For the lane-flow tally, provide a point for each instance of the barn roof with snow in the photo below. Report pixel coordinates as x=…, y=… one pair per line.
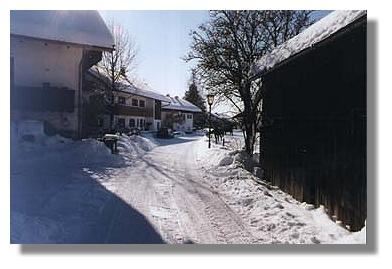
x=83, y=27
x=314, y=34
x=179, y=104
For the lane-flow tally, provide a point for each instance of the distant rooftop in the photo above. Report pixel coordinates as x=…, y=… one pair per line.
x=84, y=27
x=314, y=34
x=177, y=103
x=124, y=85
x=132, y=89
x=128, y=86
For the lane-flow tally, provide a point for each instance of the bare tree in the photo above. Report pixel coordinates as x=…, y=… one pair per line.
x=229, y=44
x=120, y=63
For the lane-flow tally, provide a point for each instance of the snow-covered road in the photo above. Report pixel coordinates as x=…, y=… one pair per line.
x=192, y=194
x=154, y=191
x=166, y=185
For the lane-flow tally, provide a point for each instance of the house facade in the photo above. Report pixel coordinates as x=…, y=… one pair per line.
x=178, y=114
x=50, y=52
x=130, y=107
x=138, y=109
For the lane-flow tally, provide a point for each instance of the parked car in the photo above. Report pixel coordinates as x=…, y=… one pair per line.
x=165, y=133
x=133, y=131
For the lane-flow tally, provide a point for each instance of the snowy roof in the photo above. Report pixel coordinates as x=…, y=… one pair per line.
x=132, y=89
x=177, y=103
x=128, y=86
x=84, y=27
x=314, y=34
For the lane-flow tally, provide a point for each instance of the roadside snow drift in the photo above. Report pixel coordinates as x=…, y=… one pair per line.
x=60, y=192
x=271, y=215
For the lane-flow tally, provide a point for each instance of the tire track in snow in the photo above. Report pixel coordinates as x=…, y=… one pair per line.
x=227, y=225
x=166, y=185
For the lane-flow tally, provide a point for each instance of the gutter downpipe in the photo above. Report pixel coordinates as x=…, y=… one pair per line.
x=80, y=105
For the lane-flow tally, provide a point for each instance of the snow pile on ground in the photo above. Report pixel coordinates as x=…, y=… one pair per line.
x=309, y=37
x=273, y=216
x=354, y=238
x=60, y=187
x=135, y=146
x=62, y=150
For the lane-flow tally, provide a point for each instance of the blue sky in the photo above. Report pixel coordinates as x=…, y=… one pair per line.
x=162, y=38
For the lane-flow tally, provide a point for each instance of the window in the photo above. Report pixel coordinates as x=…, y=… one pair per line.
x=189, y=116
x=121, y=122
x=135, y=102
x=100, y=122
x=137, y=123
x=131, y=123
x=142, y=103
x=121, y=100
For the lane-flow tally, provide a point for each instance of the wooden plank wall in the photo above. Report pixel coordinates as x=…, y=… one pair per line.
x=314, y=125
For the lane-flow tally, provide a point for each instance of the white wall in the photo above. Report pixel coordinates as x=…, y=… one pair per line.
x=186, y=126
x=36, y=62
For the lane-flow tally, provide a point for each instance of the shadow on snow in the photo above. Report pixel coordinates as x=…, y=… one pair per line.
x=59, y=202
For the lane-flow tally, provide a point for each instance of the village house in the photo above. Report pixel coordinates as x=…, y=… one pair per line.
x=178, y=114
x=131, y=107
x=50, y=52
x=313, y=142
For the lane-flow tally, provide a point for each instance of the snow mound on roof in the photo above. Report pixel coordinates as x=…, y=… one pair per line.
x=314, y=34
x=85, y=27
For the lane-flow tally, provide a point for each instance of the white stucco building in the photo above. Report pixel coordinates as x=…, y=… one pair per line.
x=178, y=114
x=50, y=51
x=133, y=106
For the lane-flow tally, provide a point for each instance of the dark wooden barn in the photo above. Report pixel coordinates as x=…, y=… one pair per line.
x=314, y=124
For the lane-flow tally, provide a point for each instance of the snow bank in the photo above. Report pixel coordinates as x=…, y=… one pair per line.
x=354, y=238
x=316, y=33
x=273, y=216
x=61, y=150
x=135, y=146
x=53, y=178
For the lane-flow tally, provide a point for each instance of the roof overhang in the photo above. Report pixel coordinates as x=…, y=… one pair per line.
x=84, y=28
x=317, y=34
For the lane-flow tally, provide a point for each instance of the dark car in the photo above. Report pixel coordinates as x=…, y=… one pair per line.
x=165, y=133
x=133, y=131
